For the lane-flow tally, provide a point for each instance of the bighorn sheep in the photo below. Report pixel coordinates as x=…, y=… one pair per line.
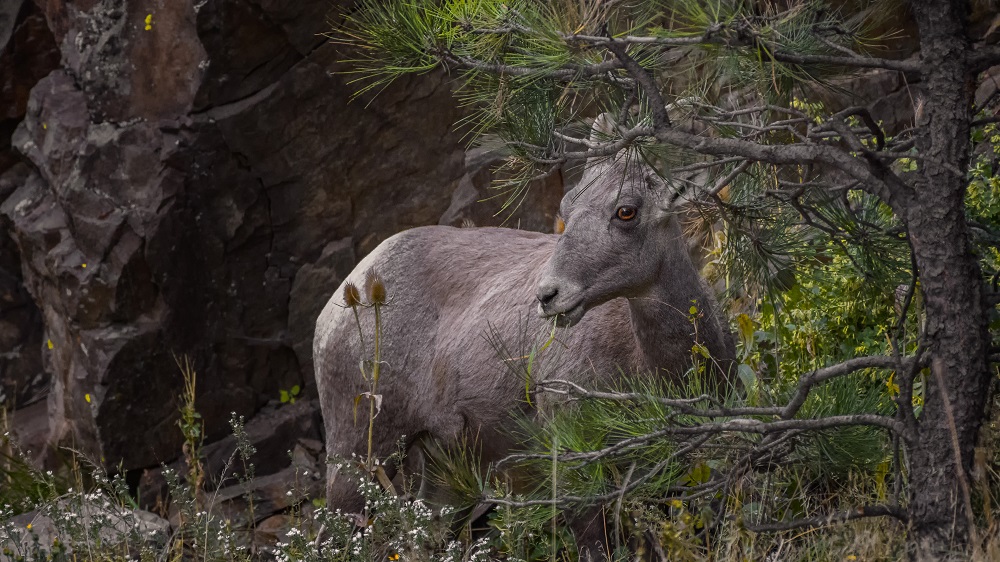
x=619, y=279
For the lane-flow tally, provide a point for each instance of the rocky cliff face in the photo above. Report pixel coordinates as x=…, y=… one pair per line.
x=187, y=177
x=27, y=53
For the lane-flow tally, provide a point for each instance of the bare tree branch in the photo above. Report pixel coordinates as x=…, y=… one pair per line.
x=830, y=519
x=984, y=57
x=712, y=37
x=689, y=406
x=743, y=425
x=858, y=61
x=645, y=81
x=728, y=178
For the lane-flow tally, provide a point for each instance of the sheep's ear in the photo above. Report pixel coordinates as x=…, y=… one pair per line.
x=602, y=130
x=675, y=196
x=604, y=126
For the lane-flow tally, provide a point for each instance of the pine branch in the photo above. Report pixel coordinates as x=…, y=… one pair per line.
x=645, y=81
x=709, y=164
x=688, y=406
x=596, y=41
x=829, y=519
x=876, y=177
x=712, y=37
x=878, y=180
x=723, y=182
x=595, y=149
x=856, y=62
x=851, y=365
x=837, y=123
x=985, y=120
x=742, y=425
x=564, y=74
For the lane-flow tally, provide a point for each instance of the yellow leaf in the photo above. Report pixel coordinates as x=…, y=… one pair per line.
x=892, y=386
x=149, y=22
x=87, y=398
x=83, y=265
x=49, y=343
x=745, y=324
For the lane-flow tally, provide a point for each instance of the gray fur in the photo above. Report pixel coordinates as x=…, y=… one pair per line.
x=634, y=284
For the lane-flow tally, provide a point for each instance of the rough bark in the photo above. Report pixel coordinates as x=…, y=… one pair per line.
x=956, y=329
x=194, y=180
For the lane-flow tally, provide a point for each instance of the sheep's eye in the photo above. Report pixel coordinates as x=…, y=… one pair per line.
x=626, y=213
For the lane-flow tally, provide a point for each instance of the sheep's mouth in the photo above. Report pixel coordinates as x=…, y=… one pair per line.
x=566, y=317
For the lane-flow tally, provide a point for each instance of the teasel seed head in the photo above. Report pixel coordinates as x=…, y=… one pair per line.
x=375, y=288
x=352, y=297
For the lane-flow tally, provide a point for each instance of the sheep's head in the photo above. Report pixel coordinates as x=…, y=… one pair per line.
x=619, y=236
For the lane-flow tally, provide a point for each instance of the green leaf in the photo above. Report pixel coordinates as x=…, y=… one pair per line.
x=699, y=474
x=747, y=375
x=284, y=396
x=296, y=390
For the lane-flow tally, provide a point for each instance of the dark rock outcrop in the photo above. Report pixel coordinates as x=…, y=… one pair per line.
x=27, y=53
x=274, y=433
x=195, y=182
x=482, y=197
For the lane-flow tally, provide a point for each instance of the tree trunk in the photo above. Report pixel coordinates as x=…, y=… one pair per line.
x=951, y=281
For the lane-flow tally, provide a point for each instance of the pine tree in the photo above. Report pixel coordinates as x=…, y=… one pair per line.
x=718, y=96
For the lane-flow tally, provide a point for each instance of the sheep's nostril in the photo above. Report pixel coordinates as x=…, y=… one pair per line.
x=546, y=294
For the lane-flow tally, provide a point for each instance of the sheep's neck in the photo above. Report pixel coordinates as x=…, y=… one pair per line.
x=664, y=326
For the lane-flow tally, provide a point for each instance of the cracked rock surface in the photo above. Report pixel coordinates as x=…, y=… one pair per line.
x=188, y=178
